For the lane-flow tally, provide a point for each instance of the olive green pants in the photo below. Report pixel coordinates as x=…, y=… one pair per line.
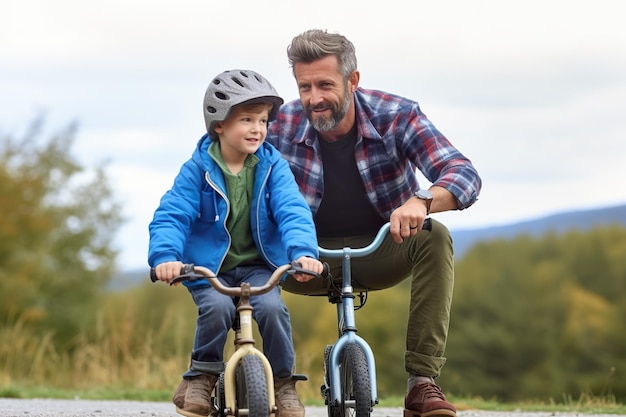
x=428, y=260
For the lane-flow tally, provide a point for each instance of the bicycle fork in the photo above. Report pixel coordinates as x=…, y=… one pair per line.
x=244, y=346
x=347, y=336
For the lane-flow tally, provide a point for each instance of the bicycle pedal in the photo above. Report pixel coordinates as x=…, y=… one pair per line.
x=324, y=390
x=299, y=377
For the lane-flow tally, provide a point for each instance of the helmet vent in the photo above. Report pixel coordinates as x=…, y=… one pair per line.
x=235, y=87
x=238, y=81
x=221, y=96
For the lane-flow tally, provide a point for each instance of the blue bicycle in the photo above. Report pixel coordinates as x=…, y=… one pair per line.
x=349, y=387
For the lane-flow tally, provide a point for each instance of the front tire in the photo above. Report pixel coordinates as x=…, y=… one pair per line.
x=220, y=397
x=252, y=388
x=355, y=385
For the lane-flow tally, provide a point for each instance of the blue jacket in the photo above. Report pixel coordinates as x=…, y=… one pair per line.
x=190, y=223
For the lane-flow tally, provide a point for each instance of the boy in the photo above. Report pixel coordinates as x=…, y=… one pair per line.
x=235, y=208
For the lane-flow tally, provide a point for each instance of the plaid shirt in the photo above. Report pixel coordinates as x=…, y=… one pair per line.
x=394, y=138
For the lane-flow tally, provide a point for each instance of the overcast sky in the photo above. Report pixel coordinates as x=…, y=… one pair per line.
x=533, y=92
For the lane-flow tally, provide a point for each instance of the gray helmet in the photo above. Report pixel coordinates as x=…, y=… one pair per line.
x=234, y=87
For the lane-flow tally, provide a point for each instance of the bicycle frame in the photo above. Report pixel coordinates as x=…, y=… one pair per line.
x=346, y=323
x=244, y=339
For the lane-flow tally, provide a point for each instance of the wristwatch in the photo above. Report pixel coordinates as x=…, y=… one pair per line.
x=427, y=196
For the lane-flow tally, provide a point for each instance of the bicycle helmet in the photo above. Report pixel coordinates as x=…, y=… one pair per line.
x=234, y=87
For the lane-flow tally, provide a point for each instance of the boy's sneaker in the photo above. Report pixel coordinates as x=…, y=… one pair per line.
x=427, y=400
x=287, y=400
x=193, y=396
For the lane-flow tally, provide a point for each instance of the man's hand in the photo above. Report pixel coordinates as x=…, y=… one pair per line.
x=407, y=219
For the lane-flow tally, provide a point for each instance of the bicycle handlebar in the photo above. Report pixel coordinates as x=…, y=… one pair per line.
x=364, y=251
x=191, y=272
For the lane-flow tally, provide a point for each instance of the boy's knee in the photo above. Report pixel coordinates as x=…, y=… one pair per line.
x=270, y=306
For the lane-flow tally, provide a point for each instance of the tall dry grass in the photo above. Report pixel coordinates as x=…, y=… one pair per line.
x=139, y=340
x=126, y=347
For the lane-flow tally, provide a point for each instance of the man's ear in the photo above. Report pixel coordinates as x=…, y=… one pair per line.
x=354, y=80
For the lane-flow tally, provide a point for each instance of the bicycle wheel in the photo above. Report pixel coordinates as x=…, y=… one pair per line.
x=252, y=399
x=325, y=388
x=355, y=385
x=219, y=401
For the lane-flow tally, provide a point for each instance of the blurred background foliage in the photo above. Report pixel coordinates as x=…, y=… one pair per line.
x=532, y=319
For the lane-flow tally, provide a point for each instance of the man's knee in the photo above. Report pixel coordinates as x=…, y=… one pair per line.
x=440, y=235
x=433, y=247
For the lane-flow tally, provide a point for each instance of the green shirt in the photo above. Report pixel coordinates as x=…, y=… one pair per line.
x=239, y=188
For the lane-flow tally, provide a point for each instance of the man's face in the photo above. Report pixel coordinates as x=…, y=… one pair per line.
x=323, y=93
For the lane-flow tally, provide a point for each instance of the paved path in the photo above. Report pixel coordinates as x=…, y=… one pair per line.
x=88, y=408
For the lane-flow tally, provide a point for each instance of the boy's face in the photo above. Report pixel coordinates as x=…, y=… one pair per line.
x=244, y=130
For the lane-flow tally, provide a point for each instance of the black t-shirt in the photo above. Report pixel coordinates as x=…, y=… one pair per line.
x=345, y=209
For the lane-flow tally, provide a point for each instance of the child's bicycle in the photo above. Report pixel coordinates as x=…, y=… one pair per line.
x=349, y=387
x=245, y=387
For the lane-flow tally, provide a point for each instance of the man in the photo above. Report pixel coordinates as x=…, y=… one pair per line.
x=354, y=153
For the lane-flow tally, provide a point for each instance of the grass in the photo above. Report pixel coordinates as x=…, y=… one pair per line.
x=121, y=363
x=87, y=394
x=586, y=404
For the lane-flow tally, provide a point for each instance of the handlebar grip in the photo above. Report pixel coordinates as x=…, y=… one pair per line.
x=186, y=269
x=326, y=270
x=297, y=268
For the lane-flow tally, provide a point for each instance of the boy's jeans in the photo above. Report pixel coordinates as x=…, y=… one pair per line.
x=216, y=313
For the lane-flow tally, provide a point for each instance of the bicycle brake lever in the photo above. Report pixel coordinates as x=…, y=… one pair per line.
x=189, y=276
x=296, y=268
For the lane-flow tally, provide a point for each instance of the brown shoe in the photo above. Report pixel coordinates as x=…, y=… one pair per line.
x=179, y=395
x=427, y=400
x=287, y=400
x=193, y=396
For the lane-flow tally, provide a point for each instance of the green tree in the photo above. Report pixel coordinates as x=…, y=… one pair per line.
x=58, y=221
x=540, y=317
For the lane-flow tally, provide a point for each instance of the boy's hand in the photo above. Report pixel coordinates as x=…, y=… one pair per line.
x=168, y=270
x=310, y=264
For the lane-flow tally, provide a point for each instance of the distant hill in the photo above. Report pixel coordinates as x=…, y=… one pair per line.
x=556, y=223
x=129, y=278
x=465, y=239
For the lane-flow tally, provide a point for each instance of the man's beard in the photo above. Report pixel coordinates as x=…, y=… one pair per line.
x=326, y=124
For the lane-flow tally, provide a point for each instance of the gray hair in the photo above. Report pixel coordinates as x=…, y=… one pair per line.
x=315, y=44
